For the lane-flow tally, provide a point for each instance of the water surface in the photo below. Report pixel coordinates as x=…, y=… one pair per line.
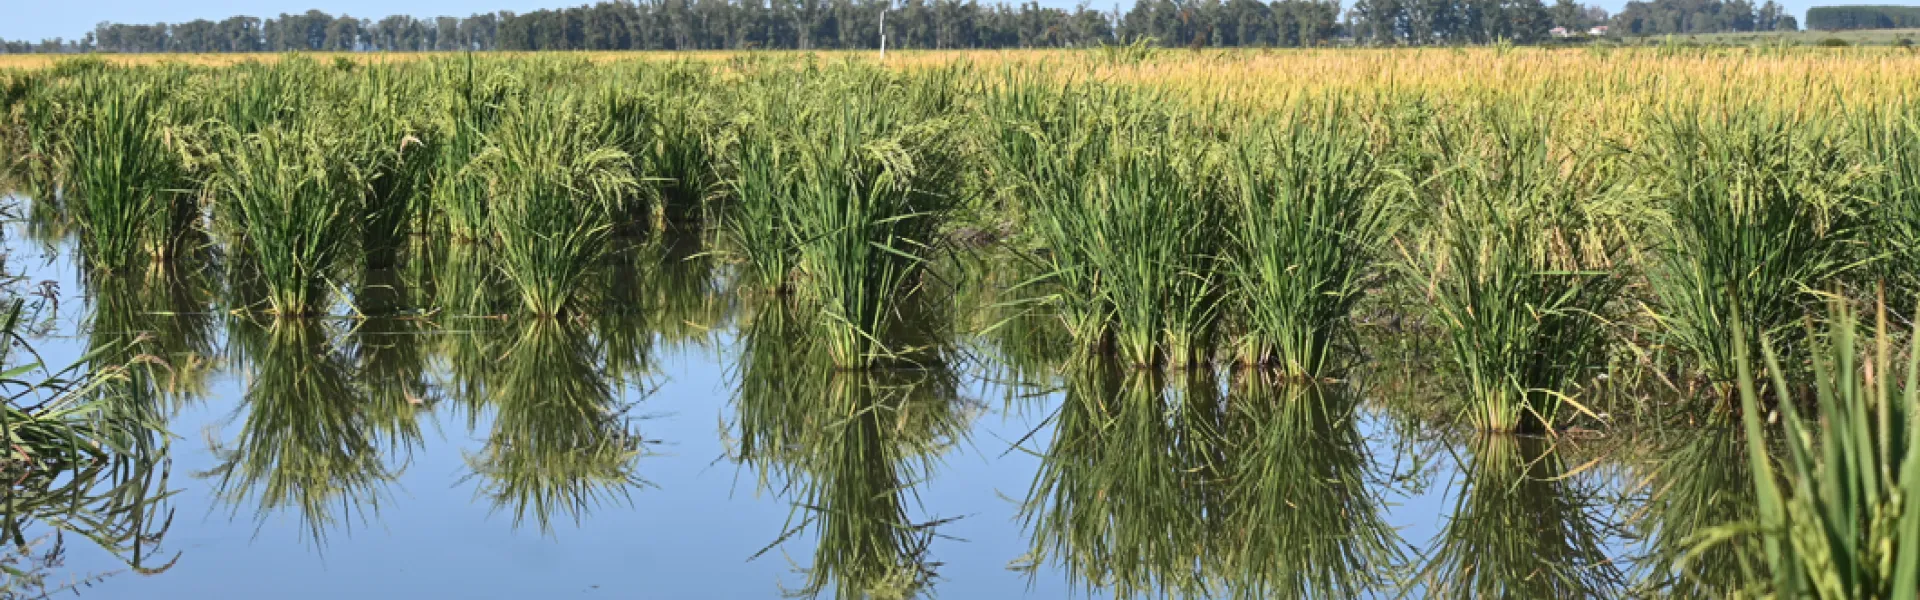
x=686, y=442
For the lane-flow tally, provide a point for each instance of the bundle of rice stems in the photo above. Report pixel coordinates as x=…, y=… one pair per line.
x=131, y=196
x=1521, y=276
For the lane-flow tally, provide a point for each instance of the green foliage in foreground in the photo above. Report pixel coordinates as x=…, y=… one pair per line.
x=1838, y=518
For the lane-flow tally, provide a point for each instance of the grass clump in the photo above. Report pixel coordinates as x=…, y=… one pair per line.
x=297, y=207
x=555, y=189
x=388, y=147
x=864, y=215
x=1889, y=140
x=841, y=205
x=1520, y=276
x=1304, y=229
x=1132, y=234
x=1757, y=211
x=131, y=195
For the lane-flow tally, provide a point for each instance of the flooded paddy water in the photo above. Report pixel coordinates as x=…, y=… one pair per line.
x=687, y=442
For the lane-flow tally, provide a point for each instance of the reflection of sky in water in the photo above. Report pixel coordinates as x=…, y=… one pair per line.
x=689, y=536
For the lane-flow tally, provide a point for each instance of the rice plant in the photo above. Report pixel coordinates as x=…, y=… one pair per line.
x=1123, y=200
x=865, y=209
x=1521, y=278
x=387, y=147
x=1890, y=142
x=1155, y=250
x=1306, y=225
x=1836, y=518
x=131, y=192
x=759, y=175
x=56, y=419
x=625, y=126
x=457, y=192
x=555, y=189
x=1759, y=210
x=298, y=206
x=684, y=110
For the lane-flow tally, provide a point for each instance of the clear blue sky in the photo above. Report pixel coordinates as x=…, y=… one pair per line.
x=37, y=19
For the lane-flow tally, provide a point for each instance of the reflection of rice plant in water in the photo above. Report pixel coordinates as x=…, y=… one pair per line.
x=120, y=505
x=309, y=439
x=873, y=435
x=1304, y=230
x=561, y=443
x=130, y=197
x=1302, y=521
x=779, y=372
x=1521, y=527
x=622, y=316
x=388, y=348
x=847, y=449
x=1521, y=281
x=1836, y=518
x=159, y=325
x=296, y=207
x=683, y=291
x=1698, y=483
x=1123, y=499
x=1023, y=337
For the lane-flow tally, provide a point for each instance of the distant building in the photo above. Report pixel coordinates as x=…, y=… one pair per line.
x=1558, y=32
x=1600, y=30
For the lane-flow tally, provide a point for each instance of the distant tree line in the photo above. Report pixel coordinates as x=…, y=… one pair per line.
x=1466, y=21
x=1837, y=18
x=1662, y=17
x=847, y=24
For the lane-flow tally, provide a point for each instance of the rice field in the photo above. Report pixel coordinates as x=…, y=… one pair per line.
x=1204, y=252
